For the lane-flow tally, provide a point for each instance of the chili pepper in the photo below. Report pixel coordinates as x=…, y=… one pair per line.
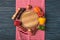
x=39, y=11
x=36, y=9
x=41, y=27
x=41, y=14
x=42, y=20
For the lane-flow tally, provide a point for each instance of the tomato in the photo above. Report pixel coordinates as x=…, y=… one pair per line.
x=17, y=23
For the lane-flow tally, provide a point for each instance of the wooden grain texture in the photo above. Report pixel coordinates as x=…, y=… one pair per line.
x=29, y=19
x=7, y=30
x=53, y=19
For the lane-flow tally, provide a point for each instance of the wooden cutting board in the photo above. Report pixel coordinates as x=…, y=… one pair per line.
x=40, y=35
x=29, y=19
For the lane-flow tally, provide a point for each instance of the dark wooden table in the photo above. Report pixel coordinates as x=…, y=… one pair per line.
x=7, y=29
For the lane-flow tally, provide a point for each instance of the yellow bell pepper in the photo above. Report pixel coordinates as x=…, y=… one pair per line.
x=42, y=20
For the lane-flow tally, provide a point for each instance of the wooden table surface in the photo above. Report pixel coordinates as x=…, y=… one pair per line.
x=7, y=29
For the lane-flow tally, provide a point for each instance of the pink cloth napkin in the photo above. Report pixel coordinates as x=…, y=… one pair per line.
x=20, y=34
